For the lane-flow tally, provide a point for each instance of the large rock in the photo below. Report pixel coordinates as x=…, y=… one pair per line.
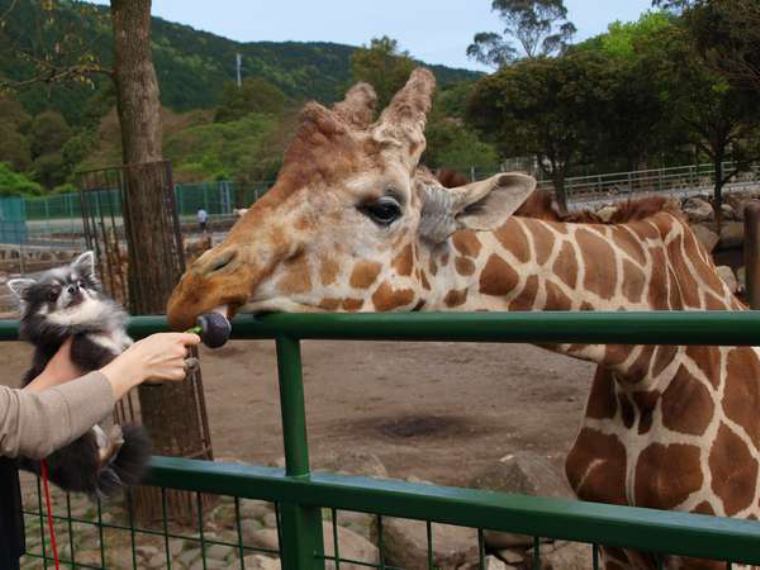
x=523, y=473
x=490, y=562
x=728, y=212
x=567, y=556
x=405, y=545
x=350, y=545
x=260, y=562
x=728, y=277
x=698, y=210
x=732, y=234
x=354, y=463
x=706, y=236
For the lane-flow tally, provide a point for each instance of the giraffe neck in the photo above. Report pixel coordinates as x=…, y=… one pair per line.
x=529, y=265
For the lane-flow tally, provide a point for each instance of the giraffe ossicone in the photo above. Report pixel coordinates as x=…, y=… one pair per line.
x=354, y=224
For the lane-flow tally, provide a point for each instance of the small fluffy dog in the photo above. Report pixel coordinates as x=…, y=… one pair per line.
x=68, y=302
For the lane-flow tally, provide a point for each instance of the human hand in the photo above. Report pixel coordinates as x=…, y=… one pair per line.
x=59, y=369
x=158, y=357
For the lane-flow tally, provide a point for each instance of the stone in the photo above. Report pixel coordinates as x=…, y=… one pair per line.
x=355, y=463
x=511, y=556
x=728, y=277
x=706, y=236
x=146, y=550
x=698, y=210
x=728, y=212
x=350, y=544
x=523, y=473
x=249, y=527
x=490, y=562
x=189, y=556
x=219, y=551
x=568, y=556
x=158, y=561
x=405, y=545
x=254, y=509
x=210, y=565
x=175, y=546
x=270, y=520
x=732, y=235
x=361, y=523
x=260, y=562
x=265, y=538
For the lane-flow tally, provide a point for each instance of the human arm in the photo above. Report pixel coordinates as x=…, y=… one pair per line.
x=55, y=410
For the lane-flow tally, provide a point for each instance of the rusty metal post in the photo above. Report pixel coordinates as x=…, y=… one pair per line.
x=752, y=252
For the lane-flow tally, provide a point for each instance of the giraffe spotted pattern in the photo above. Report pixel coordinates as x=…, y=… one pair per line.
x=353, y=224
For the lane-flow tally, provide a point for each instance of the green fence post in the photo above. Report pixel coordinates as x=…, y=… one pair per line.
x=301, y=547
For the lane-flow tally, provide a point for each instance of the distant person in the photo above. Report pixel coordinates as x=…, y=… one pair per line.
x=202, y=219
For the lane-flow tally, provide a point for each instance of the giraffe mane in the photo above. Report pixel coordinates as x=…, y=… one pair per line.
x=541, y=205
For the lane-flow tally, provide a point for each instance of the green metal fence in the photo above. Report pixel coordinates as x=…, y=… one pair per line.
x=301, y=498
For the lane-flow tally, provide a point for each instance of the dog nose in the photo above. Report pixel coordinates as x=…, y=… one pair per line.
x=73, y=289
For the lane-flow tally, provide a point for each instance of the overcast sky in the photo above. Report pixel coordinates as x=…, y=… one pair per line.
x=435, y=31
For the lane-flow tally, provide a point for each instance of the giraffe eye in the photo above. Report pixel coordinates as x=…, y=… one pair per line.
x=383, y=211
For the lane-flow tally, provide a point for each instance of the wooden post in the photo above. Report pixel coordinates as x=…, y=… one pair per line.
x=752, y=252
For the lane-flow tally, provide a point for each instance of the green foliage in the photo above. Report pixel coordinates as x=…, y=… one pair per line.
x=50, y=169
x=450, y=144
x=48, y=133
x=218, y=150
x=16, y=184
x=383, y=66
x=255, y=95
x=622, y=38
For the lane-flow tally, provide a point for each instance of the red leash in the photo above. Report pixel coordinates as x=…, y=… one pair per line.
x=48, y=504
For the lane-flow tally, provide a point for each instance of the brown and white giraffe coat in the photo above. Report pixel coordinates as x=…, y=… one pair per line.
x=353, y=225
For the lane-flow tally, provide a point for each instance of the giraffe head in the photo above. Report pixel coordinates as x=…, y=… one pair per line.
x=350, y=218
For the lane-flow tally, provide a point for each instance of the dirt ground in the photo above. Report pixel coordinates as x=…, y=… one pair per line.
x=435, y=411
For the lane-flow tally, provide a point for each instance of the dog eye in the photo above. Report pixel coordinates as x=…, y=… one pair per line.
x=52, y=295
x=383, y=211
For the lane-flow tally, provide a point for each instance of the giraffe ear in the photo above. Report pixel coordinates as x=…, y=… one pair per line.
x=486, y=204
x=481, y=206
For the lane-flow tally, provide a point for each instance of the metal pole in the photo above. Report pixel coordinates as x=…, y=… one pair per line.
x=301, y=527
x=752, y=252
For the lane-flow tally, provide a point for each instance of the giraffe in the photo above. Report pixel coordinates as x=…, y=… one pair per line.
x=354, y=224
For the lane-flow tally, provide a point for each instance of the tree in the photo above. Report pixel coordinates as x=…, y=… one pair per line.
x=722, y=120
x=255, y=95
x=383, y=66
x=726, y=34
x=550, y=108
x=540, y=28
x=48, y=133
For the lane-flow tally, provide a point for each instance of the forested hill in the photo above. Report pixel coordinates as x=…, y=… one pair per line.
x=192, y=65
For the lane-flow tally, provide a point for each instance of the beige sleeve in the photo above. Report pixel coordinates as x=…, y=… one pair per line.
x=34, y=424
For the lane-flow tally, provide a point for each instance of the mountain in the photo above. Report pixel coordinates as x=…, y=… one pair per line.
x=192, y=65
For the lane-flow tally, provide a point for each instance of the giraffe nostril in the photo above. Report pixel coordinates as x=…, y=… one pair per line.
x=221, y=261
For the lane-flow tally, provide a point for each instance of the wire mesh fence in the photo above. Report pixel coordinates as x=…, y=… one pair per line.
x=294, y=518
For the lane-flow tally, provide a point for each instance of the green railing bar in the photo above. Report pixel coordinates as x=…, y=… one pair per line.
x=642, y=529
x=727, y=328
x=302, y=547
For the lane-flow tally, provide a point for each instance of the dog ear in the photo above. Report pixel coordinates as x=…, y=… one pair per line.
x=20, y=286
x=85, y=265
